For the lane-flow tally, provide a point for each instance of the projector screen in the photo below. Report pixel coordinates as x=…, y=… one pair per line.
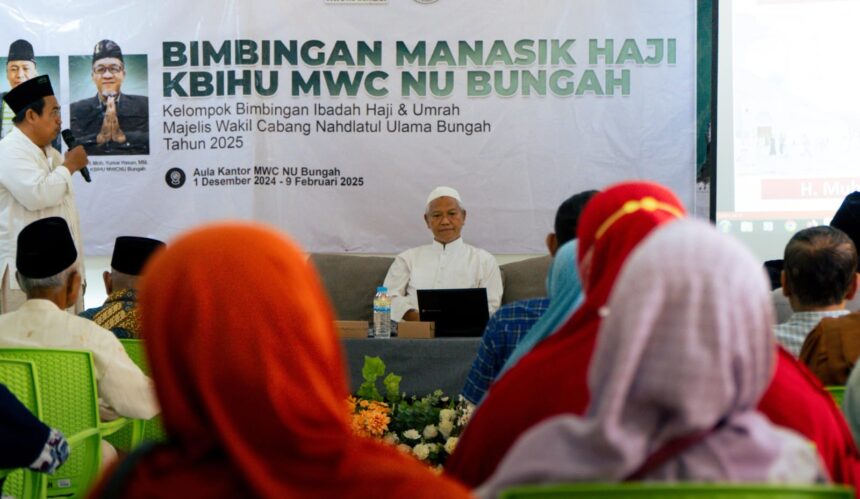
x=787, y=117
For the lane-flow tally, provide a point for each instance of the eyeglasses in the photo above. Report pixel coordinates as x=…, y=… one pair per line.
x=112, y=69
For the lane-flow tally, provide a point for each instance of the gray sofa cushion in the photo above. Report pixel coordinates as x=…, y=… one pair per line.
x=525, y=279
x=351, y=281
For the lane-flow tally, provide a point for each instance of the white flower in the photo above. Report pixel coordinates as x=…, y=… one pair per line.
x=430, y=431
x=450, y=444
x=445, y=428
x=390, y=438
x=411, y=434
x=404, y=448
x=446, y=415
x=468, y=408
x=433, y=447
x=421, y=451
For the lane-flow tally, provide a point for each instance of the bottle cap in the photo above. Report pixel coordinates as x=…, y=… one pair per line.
x=381, y=289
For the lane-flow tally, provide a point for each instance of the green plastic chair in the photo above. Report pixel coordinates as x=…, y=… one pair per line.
x=66, y=383
x=20, y=377
x=153, y=429
x=838, y=393
x=646, y=490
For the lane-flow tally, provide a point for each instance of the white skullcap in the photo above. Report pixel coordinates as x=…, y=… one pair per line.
x=443, y=191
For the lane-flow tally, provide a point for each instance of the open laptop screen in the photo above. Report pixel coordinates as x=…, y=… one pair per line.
x=456, y=312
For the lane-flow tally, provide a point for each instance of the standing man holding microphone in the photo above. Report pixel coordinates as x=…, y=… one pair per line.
x=35, y=181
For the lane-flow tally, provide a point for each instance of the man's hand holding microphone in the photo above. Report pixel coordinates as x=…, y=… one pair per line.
x=76, y=157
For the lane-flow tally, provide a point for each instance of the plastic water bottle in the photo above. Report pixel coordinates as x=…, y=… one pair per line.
x=382, y=313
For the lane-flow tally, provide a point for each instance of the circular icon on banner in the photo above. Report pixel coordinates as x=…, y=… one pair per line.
x=175, y=178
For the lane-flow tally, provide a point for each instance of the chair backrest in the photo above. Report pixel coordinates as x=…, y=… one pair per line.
x=838, y=393
x=351, y=282
x=134, y=349
x=524, y=279
x=19, y=376
x=67, y=389
x=153, y=429
x=647, y=490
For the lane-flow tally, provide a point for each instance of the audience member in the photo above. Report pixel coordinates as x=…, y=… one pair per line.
x=512, y=321
x=25, y=441
x=846, y=219
x=48, y=273
x=35, y=181
x=612, y=224
x=832, y=348
x=819, y=275
x=564, y=288
x=119, y=311
x=684, y=355
x=250, y=372
x=504, y=337
x=446, y=263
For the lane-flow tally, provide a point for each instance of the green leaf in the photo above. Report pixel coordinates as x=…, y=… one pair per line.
x=392, y=387
x=372, y=369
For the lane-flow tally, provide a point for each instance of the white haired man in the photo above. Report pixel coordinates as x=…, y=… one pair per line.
x=447, y=262
x=48, y=272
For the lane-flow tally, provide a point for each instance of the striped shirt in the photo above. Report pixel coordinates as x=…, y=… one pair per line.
x=792, y=333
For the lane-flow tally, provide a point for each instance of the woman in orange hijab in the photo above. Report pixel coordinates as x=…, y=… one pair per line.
x=612, y=224
x=249, y=373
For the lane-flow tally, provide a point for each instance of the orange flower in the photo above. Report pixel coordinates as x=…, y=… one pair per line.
x=368, y=417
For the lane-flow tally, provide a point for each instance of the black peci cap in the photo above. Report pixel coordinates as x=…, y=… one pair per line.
x=21, y=50
x=106, y=48
x=130, y=253
x=28, y=92
x=45, y=248
x=847, y=218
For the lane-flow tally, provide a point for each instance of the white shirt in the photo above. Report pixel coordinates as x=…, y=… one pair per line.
x=438, y=266
x=122, y=385
x=34, y=184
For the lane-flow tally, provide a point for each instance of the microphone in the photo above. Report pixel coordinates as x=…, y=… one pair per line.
x=71, y=143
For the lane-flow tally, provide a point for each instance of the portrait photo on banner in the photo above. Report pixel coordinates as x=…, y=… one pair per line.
x=23, y=61
x=109, y=108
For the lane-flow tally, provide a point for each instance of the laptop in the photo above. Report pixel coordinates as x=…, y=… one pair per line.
x=456, y=312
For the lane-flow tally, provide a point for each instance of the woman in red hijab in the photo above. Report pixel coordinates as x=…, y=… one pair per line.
x=552, y=378
x=611, y=225
x=249, y=374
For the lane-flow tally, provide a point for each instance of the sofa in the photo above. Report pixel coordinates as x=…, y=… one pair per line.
x=351, y=281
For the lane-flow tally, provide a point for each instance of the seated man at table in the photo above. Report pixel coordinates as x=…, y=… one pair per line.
x=512, y=321
x=48, y=272
x=446, y=263
x=119, y=311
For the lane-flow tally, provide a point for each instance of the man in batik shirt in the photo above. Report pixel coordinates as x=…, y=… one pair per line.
x=119, y=312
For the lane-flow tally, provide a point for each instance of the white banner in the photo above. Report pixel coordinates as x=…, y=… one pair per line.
x=333, y=119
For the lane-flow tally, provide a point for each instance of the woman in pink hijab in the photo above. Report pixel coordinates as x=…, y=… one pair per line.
x=681, y=361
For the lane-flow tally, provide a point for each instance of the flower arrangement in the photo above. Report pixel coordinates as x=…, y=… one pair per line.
x=427, y=427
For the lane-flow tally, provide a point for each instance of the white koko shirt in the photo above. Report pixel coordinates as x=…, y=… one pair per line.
x=121, y=384
x=34, y=184
x=437, y=266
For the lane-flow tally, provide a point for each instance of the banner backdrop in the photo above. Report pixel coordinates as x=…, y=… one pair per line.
x=333, y=119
